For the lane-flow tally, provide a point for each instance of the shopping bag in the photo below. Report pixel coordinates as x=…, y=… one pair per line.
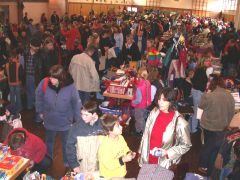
x=154, y=172
x=193, y=176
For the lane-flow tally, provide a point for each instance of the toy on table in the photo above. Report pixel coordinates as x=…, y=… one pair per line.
x=4, y=151
x=10, y=164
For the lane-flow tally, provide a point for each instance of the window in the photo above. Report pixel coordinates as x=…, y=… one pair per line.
x=229, y=5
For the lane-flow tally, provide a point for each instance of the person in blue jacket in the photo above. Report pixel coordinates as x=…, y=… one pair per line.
x=58, y=104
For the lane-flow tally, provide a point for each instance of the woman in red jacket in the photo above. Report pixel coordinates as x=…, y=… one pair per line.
x=25, y=144
x=71, y=35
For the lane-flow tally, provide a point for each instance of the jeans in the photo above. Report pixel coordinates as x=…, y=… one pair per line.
x=15, y=97
x=196, y=94
x=84, y=96
x=30, y=85
x=224, y=173
x=50, y=139
x=140, y=116
x=43, y=166
x=212, y=143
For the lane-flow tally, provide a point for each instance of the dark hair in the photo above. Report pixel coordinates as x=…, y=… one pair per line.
x=92, y=107
x=58, y=72
x=13, y=53
x=217, y=81
x=169, y=95
x=16, y=139
x=48, y=40
x=236, y=148
x=108, y=121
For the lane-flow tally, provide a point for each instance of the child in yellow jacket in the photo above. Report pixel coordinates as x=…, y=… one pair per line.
x=113, y=151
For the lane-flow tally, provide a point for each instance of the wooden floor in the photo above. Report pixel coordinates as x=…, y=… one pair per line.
x=57, y=170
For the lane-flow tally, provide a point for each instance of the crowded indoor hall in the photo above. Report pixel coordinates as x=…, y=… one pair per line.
x=120, y=89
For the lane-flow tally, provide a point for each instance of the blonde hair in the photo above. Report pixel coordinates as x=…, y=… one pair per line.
x=143, y=73
x=92, y=39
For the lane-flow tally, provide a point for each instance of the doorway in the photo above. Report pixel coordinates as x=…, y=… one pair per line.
x=4, y=14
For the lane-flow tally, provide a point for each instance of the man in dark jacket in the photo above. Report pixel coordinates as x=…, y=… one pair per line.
x=130, y=51
x=82, y=144
x=33, y=70
x=49, y=55
x=55, y=18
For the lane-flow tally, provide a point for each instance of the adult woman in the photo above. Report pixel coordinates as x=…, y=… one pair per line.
x=58, y=103
x=118, y=37
x=159, y=133
x=94, y=40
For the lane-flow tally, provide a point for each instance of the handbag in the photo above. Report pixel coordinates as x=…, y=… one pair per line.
x=180, y=169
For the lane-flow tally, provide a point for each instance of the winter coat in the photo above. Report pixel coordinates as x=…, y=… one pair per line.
x=71, y=35
x=38, y=65
x=175, y=152
x=50, y=58
x=34, y=148
x=130, y=54
x=82, y=68
x=60, y=108
x=83, y=145
x=145, y=88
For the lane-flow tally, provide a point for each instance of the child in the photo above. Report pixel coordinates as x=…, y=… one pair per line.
x=25, y=144
x=153, y=56
x=14, y=73
x=141, y=99
x=113, y=151
x=12, y=119
x=82, y=143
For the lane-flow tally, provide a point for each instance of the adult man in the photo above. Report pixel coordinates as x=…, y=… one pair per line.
x=82, y=144
x=84, y=73
x=54, y=18
x=33, y=70
x=218, y=110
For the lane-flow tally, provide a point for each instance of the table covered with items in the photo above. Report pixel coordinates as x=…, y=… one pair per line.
x=118, y=86
x=11, y=166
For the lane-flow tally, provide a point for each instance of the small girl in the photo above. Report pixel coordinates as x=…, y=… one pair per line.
x=12, y=119
x=113, y=151
x=141, y=99
x=153, y=56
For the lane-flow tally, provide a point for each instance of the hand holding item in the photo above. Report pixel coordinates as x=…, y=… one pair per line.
x=158, y=152
x=129, y=157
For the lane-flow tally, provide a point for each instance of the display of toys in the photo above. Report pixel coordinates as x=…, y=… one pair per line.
x=10, y=164
x=4, y=151
x=3, y=175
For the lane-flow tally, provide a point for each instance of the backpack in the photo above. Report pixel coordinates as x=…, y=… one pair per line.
x=45, y=84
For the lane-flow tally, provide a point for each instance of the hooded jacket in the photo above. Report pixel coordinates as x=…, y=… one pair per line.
x=33, y=148
x=60, y=107
x=83, y=143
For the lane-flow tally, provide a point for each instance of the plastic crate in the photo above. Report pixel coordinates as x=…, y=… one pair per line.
x=106, y=110
x=117, y=89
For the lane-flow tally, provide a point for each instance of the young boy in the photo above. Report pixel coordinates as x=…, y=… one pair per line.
x=82, y=143
x=14, y=72
x=113, y=151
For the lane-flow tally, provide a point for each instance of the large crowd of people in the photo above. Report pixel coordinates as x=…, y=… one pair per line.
x=60, y=62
